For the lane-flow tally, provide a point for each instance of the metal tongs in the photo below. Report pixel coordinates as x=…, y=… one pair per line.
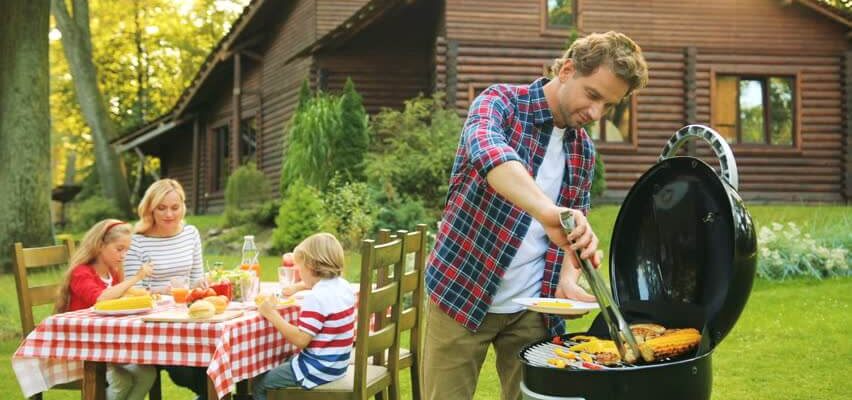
x=618, y=328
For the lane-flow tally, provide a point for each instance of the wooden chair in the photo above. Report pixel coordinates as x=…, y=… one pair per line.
x=27, y=259
x=414, y=244
x=367, y=377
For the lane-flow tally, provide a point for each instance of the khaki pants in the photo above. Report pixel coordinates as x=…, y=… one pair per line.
x=453, y=355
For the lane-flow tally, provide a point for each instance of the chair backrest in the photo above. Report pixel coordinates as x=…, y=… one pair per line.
x=379, y=291
x=27, y=259
x=413, y=244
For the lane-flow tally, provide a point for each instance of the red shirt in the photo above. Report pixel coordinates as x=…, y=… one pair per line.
x=86, y=286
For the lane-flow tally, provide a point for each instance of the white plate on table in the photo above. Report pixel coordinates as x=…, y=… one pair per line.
x=556, y=306
x=165, y=299
x=123, y=312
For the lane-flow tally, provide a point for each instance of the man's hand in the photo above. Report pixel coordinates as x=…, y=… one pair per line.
x=568, y=277
x=582, y=237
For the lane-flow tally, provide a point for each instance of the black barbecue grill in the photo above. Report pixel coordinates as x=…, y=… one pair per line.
x=683, y=254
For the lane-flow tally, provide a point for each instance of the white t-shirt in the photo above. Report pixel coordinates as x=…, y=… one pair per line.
x=524, y=274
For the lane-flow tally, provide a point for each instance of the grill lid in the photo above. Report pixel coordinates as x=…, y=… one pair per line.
x=683, y=238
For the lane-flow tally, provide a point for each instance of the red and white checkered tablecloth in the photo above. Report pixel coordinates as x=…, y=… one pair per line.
x=233, y=350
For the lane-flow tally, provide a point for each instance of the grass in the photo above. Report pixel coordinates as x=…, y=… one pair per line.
x=789, y=342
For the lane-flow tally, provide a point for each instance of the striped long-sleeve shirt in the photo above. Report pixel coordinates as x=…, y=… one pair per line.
x=178, y=255
x=328, y=314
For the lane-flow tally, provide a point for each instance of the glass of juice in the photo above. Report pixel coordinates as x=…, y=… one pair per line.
x=180, y=288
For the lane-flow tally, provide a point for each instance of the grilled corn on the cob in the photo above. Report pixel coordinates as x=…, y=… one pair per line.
x=125, y=303
x=672, y=343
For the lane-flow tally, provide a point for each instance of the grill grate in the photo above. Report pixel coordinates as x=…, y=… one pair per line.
x=538, y=354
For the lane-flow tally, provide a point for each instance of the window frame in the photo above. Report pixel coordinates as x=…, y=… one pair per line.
x=544, y=22
x=215, y=165
x=250, y=116
x=764, y=74
x=630, y=145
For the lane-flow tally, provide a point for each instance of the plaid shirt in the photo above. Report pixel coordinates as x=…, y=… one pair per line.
x=480, y=230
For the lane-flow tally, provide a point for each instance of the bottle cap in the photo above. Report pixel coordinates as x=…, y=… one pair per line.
x=248, y=237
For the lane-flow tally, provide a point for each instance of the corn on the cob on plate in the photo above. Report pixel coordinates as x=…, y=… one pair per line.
x=672, y=343
x=125, y=303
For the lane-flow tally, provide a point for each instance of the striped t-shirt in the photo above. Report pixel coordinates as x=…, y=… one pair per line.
x=178, y=255
x=328, y=314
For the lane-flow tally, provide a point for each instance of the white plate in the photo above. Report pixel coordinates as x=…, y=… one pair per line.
x=548, y=306
x=122, y=312
x=165, y=299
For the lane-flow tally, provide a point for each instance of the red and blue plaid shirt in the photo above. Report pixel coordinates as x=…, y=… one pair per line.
x=481, y=231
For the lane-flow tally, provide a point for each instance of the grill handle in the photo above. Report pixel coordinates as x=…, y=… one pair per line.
x=619, y=331
x=717, y=143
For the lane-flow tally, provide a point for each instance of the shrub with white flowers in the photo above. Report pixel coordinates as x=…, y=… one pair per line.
x=786, y=252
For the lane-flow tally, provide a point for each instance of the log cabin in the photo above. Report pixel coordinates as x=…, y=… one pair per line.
x=772, y=76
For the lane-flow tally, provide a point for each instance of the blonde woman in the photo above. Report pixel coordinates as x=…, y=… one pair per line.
x=95, y=274
x=163, y=238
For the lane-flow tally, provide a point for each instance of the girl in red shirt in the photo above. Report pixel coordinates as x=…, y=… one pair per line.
x=96, y=273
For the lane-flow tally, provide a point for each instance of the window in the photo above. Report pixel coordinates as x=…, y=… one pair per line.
x=755, y=109
x=559, y=14
x=248, y=140
x=616, y=126
x=221, y=157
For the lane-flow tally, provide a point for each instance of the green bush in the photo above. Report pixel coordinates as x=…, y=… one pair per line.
x=413, y=151
x=246, y=191
x=353, y=138
x=85, y=214
x=262, y=215
x=350, y=211
x=301, y=215
x=308, y=154
x=786, y=253
x=403, y=213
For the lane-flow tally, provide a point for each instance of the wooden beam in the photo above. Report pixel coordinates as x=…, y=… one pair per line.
x=847, y=91
x=236, y=117
x=689, y=100
x=452, y=70
x=196, y=147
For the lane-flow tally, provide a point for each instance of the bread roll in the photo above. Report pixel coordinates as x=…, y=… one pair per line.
x=201, y=309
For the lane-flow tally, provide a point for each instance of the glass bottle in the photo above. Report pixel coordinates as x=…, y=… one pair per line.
x=250, y=257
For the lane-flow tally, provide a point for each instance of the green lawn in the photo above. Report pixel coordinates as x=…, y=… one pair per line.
x=788, y=343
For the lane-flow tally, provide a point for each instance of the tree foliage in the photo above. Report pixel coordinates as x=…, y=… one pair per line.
x=353, y=138
x=147, y=52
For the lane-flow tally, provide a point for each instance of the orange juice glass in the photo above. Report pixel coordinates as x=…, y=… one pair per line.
x=180, y=294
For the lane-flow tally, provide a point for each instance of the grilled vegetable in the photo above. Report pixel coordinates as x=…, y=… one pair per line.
x=672, y=343
x=126, y=303
x=557, y=362
x=565, y=354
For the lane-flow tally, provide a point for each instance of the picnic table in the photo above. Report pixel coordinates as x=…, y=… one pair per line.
x=65, y=346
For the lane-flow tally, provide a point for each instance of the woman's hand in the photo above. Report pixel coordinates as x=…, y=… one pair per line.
x=144, y=271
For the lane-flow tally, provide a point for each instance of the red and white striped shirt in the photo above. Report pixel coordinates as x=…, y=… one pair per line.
x=327, y=314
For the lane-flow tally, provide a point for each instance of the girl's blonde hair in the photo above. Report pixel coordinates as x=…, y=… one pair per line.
x=100, y=235
x=321, y=254
x=153, y=197
x=612, y=49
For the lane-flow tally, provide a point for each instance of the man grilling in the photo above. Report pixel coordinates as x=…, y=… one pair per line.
x=522, y=159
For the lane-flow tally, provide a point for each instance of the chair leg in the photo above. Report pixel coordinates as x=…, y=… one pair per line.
x=415, y=381
x=36, y=396
x=156, y=392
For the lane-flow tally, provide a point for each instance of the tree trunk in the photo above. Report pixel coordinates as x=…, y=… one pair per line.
x=77, y=46
x=24, y=127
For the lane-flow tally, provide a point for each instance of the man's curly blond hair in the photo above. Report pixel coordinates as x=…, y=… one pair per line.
x=615, y=50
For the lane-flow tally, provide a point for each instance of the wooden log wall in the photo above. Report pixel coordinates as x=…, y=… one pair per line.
x=752, y=37
x=813, y=172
